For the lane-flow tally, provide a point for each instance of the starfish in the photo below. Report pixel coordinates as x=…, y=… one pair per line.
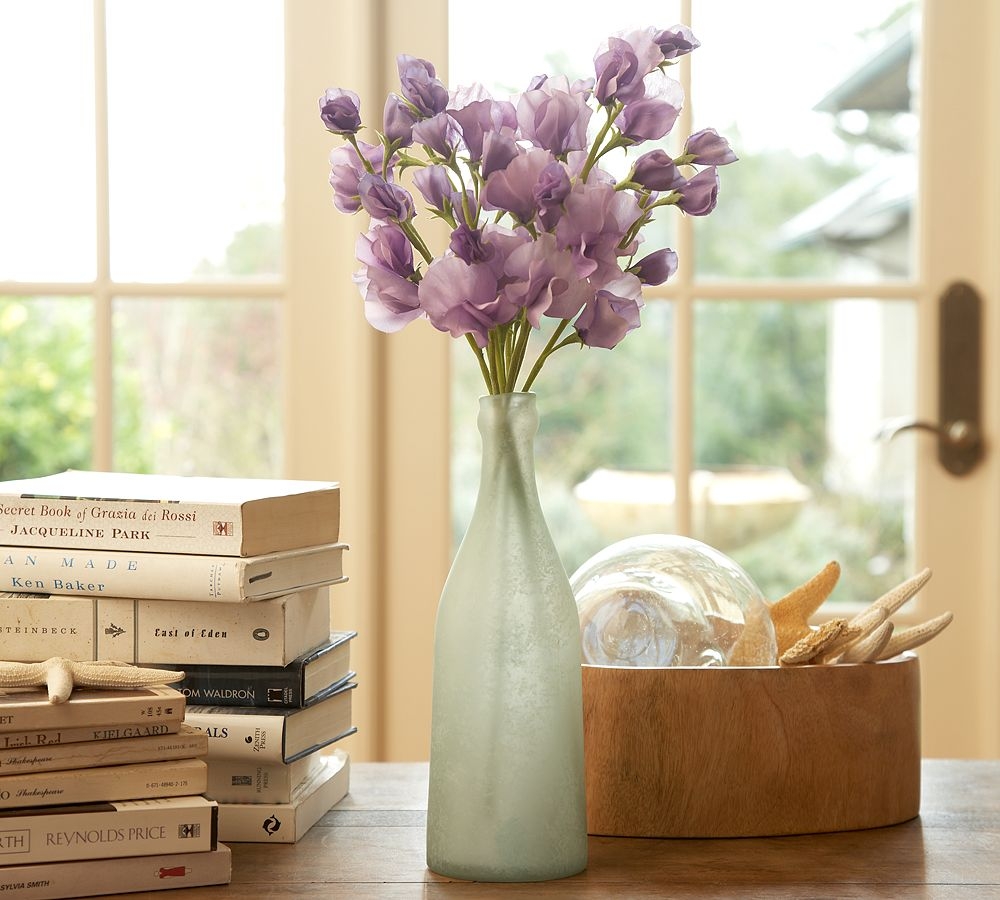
x=908, y=638
x=791, y=613
x=61, y=675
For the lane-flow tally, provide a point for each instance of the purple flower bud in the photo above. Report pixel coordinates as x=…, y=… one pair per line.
x=618, y=75
x=417, y=78
x=676, y=41
x=481, y=117
x=382, y=200
x=398, y=119
x=656, y=170
x=434, y=185
x=340, y=111
x=611, y=314
x=655, y=267
x=708, y=148
x=698, y=194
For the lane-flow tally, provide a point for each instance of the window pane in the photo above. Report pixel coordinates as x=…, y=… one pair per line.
x=598, y=410
x=789, y=399
x=197, y=387
x=196, y=130
x=46, y=378
x=823, y=122
x=47, y=177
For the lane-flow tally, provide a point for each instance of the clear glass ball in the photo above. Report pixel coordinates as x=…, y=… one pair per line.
x=667, y=600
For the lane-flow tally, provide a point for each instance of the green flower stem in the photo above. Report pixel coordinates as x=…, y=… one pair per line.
x=418, y=242
x=547, y=351
x=519, y=348
x=353, y=141
x=482, y=363
x=595, y=148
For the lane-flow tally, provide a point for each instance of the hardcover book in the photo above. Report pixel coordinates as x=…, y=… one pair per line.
x=126, y=731
x=93, y=877
x=249, y=781
x=134, y=781
x=286, y=823
x=172, y=633
x=302, y=682
x=25, y=709
x=187, y=743
x=103, y=830
x=168, y=513
x=168, y=576
x=273, y=735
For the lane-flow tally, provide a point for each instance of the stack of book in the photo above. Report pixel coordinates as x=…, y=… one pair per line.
x=225, y=579
x=106, y=775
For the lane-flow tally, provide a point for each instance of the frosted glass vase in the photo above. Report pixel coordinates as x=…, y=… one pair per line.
x=507, y=798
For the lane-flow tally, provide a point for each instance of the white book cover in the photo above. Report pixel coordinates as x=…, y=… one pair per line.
x=251, y=781
x=133, y=781
x=125, y=875
x=286, y=823
x=101, y=830
x=270, y=632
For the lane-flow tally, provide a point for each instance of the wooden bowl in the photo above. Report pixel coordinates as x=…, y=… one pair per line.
x=739, y=752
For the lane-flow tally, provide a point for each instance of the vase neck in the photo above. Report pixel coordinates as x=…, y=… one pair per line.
x=508, y=424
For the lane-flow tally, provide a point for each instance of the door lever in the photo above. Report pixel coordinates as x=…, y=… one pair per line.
x=960, y=440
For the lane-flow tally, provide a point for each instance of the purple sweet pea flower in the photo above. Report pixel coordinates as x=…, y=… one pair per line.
x=708, y=148
x=651, y=117
x=346, y=170
x=499, y=150
x=340, y=111
x=553, y=185
x=554, y=116
x=657, y=171
x=439, y=133
x=676, y=41
x=391, y=299
x=513, y=189
x=542, y=279
x=595, y=220
x=481, y=117
x=398, y=119
x=468, y=245
x=698, y=194
x=611, y=314
x=435, y=186
x=655, y=267
x=420, y=85
x=621, y=68
x=384, y=200
x=463, y=299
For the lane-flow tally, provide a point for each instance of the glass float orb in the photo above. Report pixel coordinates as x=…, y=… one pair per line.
x=667, y=600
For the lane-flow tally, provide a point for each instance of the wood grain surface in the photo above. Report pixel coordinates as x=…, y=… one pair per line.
x=371, y=846
x=738, y=752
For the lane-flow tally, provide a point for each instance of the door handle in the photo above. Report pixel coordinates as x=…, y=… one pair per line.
x=960, y=441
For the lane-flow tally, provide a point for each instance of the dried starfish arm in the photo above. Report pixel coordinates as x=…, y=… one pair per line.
x=811, y=645
x=60, y=675
x=868, y=648
x=792, y=612
x=914, y=636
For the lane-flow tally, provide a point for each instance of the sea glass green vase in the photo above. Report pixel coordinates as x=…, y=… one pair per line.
x=507, y=799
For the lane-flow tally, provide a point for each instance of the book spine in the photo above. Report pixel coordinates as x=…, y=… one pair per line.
x=46, y=738
x=110, y=573
x=145, y=525
x=90, y=878
x=243, y=686
x=246, y=781
x=109, y=830
x=178, y=632
x=187, y=744
x=124, y=707
x=240, y=735
x=138, y=781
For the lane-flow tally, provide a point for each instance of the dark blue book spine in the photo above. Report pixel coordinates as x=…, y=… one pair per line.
x=239, y=686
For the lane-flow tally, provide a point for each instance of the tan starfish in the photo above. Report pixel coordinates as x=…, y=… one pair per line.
x=914, y=636
x=811, y=645
x=791, y=613
x=868, y=648
x=61, y=675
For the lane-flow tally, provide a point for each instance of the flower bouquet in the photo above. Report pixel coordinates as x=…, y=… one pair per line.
x=542, y=238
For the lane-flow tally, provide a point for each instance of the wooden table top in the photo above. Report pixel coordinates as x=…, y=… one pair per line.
x=371, y=845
